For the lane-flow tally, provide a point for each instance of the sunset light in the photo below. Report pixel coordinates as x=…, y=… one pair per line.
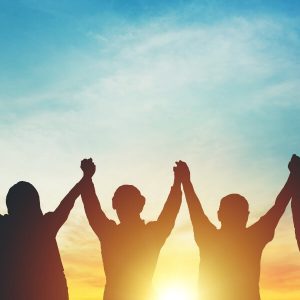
x=138, y=85
x=176, y=293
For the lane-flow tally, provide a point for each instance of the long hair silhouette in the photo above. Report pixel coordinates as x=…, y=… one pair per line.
x=30, y=263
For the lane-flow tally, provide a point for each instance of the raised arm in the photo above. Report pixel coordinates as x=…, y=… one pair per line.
x=200, y=221
x=270, y=220
x=296, y=215
x=96, y=217
x=167, y=217
x=61, y=213
x=295, y=169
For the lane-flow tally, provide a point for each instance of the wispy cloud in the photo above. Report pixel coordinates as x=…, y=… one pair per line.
x=193, y=92
x=215, y=95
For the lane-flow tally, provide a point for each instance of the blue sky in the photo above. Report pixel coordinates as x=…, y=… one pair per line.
x=139, y=84
x=162, y=80
x=39, y=36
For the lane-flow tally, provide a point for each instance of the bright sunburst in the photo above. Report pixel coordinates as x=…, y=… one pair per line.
x=176, y=293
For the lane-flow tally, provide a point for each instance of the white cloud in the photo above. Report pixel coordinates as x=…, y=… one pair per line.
x=155, y=96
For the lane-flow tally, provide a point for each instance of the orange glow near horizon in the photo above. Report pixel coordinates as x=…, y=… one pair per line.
x=177, y=268
x=138, y=86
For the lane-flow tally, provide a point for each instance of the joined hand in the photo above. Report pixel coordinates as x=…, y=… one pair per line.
x=88, y=167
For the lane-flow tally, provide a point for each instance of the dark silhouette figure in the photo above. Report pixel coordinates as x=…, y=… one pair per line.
x=295, y=203
x=30, y=263
x=230, y=256
x=130, y=249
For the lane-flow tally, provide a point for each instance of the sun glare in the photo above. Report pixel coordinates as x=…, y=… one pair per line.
x=175, y=293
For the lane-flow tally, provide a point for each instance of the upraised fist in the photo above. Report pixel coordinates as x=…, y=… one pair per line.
x=294, y=164
x=88, y=167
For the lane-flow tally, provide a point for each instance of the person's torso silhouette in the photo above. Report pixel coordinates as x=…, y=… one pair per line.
x=230, y=261
x=130, y=249
x=130, y=254
x=30, y=263
x=230, y=256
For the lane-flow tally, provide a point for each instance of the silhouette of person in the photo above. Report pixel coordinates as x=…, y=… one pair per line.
x=131, y=248
x=295, y=203
x=30, y=263
x=230, y=256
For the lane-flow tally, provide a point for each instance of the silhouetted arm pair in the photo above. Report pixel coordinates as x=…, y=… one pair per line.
x=96, y=217
x=57, y=218
x=198, y=217
x=267, y=223
x=295, y=168
x=201, y=224
x=61, y=213
x=272, y=217
x=167, y=217
x=296, y=215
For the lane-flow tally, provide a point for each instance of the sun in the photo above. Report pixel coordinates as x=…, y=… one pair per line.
x=175, y=293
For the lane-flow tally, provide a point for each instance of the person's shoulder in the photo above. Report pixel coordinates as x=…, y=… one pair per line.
x=111, y=223
x=261, y=230
x=48, y=216
x=4, y=218
x=48, y=220
x=154, y=227
x=150, y=224
x=155, y=232
x=257, y=226
x=107, y=230
x=109, y=226
x=5, y=221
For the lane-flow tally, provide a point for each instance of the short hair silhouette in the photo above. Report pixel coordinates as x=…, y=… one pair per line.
x=22, y=198
x=233, y=210
x=234, y=201
x=128, y=195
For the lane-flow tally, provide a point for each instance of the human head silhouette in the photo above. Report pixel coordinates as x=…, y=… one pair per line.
x=23, y=199
x=128, y=203
x=233, y=211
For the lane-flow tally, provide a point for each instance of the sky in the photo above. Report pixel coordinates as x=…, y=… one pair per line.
x=138, y=85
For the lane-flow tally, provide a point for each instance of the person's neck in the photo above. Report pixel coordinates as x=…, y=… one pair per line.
x=231, y=229
x=133, y=221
